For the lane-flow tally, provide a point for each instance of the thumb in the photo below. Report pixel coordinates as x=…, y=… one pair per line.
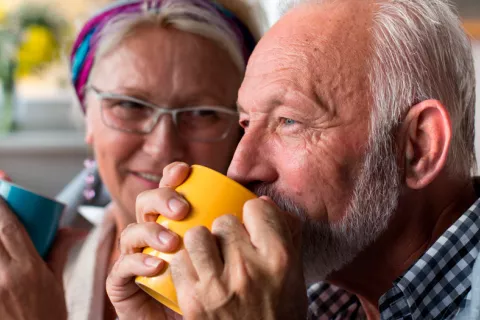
x=57, y=258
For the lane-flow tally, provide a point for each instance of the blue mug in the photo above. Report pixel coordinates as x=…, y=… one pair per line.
x=39, y=215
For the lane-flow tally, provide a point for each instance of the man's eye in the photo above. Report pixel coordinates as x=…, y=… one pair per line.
x=288, y=121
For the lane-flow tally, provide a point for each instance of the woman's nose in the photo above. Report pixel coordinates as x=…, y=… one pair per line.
x=164, y=141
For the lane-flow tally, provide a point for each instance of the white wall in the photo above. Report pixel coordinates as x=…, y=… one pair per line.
x=273, y=10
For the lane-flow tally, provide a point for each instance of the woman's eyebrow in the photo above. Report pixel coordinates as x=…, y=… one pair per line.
x=240, y=109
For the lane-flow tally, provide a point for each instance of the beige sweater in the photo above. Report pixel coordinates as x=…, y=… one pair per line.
x=86, y=272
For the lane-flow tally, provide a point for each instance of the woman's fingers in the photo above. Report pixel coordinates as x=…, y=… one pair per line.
x=140, y=235
x=14, y=239
x=120, y=282
x=174, y=174
x=163, y=201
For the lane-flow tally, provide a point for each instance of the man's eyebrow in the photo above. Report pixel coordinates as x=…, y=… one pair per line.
x=273, y=103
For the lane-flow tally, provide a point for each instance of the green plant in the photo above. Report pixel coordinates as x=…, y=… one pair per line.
x=8, y=48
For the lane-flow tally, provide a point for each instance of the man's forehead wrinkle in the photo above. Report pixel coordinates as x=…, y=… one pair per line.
x=302, y=75
x=324, y=65
x=275, y=59
x=298, y=58
x=310, y=45
x=273, y=100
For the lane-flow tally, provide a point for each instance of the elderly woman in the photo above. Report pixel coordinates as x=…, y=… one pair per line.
x=158, y=83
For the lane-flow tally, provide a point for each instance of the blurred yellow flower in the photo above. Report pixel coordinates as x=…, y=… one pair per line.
x=38, y=47
x=3, y=14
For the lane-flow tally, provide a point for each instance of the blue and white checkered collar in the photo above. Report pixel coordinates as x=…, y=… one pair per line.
x=437, y=285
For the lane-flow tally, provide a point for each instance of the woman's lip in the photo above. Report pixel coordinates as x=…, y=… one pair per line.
x=146, y=172
x=147, y=182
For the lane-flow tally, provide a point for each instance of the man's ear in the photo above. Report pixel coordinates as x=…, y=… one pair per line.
x=428, y=131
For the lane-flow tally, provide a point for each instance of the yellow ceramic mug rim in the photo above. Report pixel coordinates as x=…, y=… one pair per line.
x=230, y=181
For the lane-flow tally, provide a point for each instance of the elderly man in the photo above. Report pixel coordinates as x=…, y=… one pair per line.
x=359, y=122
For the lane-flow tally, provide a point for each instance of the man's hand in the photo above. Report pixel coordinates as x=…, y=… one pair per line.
x=28, y=287
x=243, y=271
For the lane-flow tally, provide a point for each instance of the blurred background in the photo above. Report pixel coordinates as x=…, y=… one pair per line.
x=41, y=128
x=41, y=134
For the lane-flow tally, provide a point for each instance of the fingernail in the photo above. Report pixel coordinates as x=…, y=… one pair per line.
x=182, y=164
x=165, y=237
x=178, y=166
x=176, y=205
x=152, y=262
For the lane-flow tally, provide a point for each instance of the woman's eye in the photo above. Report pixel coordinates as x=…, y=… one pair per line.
x=205, y=114
x=130, y=105
x=128, y=110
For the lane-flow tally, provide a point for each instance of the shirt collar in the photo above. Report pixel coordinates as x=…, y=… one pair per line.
x=438, y=283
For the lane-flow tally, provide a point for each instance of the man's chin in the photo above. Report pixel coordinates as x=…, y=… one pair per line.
x=327, y=250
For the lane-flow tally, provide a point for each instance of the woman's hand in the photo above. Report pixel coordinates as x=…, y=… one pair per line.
x=29, y=288
x=129, y=300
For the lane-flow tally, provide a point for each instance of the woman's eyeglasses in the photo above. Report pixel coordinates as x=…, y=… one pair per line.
x=201, y=123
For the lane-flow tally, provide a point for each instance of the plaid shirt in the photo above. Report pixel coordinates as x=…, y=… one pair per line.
x=437, y=286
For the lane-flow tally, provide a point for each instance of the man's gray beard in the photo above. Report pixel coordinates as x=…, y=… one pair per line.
x=327, y=247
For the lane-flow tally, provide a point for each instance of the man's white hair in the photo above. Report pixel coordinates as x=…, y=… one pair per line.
x=422, y=52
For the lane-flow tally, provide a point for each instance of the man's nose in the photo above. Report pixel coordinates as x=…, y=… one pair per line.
x=252, y=162
x=164, y=142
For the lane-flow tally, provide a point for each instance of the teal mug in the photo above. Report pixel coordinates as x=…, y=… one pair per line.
x=39, y=215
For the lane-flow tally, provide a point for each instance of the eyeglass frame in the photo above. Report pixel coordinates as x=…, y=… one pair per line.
x=159, y=111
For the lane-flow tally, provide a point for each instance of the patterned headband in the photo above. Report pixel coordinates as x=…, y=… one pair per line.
x=84, y=49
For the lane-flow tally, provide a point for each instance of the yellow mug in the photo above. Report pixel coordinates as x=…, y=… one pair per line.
x=210, y=195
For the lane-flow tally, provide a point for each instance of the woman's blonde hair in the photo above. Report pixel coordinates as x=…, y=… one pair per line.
x=184, y=16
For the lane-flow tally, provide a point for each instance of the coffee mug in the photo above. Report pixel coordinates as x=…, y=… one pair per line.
x=210, y=195
x=39, y=215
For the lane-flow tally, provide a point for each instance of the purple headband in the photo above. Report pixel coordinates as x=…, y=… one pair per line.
x=84, y=49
